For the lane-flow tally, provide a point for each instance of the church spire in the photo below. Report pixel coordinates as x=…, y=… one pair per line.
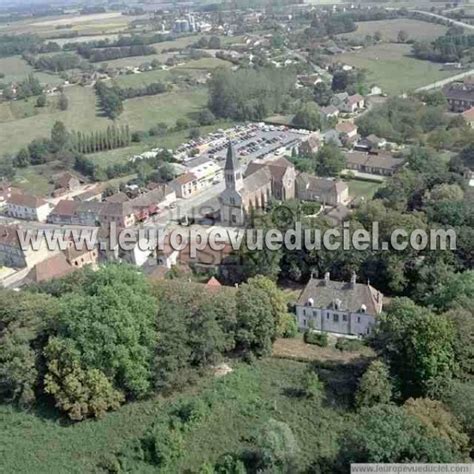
x=232, y=173
x=231, y=162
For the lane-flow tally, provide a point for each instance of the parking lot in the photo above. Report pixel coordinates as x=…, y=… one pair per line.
x=251, y=142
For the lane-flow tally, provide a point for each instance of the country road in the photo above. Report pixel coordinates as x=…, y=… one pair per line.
x=445, y=18
x=448, y=80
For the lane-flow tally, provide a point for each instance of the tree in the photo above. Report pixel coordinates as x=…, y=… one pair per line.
x=417, y=344
x=166, y=172
x=81, y=393
x=312, y=387
x=164, y=446
x=22, y=159
x=195, y=327
x=24, y=321
x=277, y=301
x=181, y=124
x=378, y=36
x=374, y=386
x=439, y=422
x=457, y=288
x=459, y=398
x=59, y=136
x=276, y=448
x=388, y=434
x=462, y=317
x=41, y=101
x=214, y=42
x=194, y=133
x=206, y=117
x=330, y=161
x=255, y=323
x=109, y=325
x=322, y=94
x=402, y=36
x=308, y=116
x=63, y=102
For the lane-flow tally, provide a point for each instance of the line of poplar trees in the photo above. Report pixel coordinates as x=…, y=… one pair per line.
x=109, y=139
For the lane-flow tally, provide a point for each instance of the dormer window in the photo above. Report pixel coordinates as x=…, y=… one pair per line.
x=310, y=302
x=363, y=308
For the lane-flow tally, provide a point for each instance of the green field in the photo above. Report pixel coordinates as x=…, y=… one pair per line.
x=17, y=69
x=144, y=112
x=21, y=109
x=140, y=114
x=246, y=399
x=363, y=189
x=204, y=64
x=135, y=61
x=81, y=115
x=416, y=30
x=391, y=67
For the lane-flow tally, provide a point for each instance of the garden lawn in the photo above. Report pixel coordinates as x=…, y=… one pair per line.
x=363, y=189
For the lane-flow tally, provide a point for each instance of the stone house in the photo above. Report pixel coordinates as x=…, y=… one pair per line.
x=328, y=191
x=28, y=207
x=347, y=308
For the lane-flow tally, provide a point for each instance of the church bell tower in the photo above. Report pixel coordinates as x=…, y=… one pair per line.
x=232, y=172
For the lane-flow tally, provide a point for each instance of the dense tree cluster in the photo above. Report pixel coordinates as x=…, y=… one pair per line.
x=42, y=150
x=95, y=339
x=446, y=48
x=54, y=63
x=249, y=94
x=419, y=119
x=12, y=45
x=110, y=100
x=95, y=55
x=84, y=48
x=28, y=87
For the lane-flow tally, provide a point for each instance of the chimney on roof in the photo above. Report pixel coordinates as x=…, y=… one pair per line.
x=353, y=279
x=327, y=278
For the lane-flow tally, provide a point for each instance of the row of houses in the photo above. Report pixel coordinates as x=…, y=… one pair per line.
x=117, y=209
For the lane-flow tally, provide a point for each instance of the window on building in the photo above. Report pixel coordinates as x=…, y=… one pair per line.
x=335, y=318
x=305, y=323
x=344, y=318
x=358, y=319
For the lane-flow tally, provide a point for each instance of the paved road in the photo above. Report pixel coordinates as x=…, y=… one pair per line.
x=439, y=84
x=445, y=18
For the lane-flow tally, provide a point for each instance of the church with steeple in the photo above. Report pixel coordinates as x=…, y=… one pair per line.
x=262, y=181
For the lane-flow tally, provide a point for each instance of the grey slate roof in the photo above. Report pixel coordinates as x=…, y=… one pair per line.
x=352, y=297
x=257, y=180
x=320, y=185
x=231, y=162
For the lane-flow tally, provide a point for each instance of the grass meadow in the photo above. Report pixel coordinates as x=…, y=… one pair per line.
x=239, y=404
x=416, y=30
x=391, y=67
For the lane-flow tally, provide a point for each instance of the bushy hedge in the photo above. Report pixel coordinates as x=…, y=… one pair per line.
x=311, y=337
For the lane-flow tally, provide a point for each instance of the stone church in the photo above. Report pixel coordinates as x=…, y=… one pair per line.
x=262, y=181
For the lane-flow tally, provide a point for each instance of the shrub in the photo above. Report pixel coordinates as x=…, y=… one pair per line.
x=311, y=337
x=349, y=345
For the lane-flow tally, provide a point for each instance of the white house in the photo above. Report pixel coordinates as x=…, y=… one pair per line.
x=26, y=206
x=348, y=308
